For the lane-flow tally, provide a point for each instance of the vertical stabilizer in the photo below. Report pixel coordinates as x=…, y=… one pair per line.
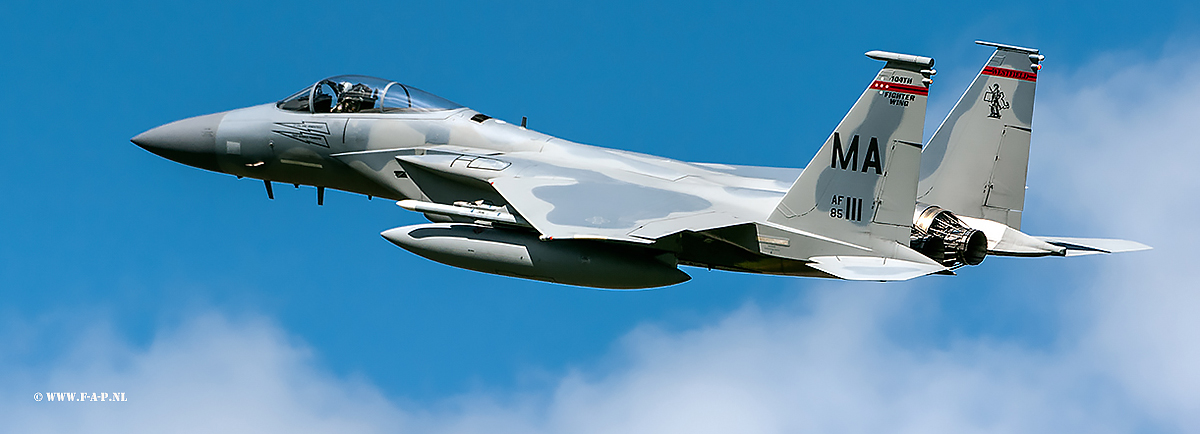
x=861, y=186
x=975, y=164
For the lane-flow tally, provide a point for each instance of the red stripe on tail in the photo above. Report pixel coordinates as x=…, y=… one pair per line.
x=903, y=88
x=1009, y=73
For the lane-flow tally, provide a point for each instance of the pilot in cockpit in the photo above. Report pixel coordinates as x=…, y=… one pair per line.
x=355, y=98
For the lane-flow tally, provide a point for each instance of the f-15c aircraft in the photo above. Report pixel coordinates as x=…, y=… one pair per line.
x=504, y=199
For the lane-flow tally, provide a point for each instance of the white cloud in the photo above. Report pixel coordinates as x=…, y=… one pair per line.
x=1124, y=145
x=211, y=375
x=834, y=369
x=1114, y=150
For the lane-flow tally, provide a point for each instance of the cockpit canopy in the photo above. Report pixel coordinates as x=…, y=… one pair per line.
x=361, y=94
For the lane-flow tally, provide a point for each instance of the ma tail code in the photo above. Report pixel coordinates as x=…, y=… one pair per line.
x=847, y=158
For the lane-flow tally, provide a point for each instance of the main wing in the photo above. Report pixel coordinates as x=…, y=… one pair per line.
x=620, y=196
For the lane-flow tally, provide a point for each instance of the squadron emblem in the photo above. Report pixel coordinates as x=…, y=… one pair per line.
x=313, y=133
x=995, y=96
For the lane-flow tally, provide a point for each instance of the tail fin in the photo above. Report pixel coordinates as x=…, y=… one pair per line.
x=861, y=185
x=976, y=162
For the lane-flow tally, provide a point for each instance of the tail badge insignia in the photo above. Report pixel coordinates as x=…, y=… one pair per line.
x=995, y=96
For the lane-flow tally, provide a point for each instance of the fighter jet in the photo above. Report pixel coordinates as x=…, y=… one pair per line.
x=873, y=204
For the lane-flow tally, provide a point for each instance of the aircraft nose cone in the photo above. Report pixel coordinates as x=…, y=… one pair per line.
x=191, y=141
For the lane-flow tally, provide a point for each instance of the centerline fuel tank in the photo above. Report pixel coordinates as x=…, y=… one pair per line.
x=521, y=254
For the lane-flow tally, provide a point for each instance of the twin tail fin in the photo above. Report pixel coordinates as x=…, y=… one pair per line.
x=976, y=162
x=859, y=191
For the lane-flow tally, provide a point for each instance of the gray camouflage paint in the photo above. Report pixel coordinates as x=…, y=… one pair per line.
x=588, y=210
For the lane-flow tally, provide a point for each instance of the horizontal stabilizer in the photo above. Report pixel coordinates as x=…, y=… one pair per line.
x=1092, y=246
x=873, y=267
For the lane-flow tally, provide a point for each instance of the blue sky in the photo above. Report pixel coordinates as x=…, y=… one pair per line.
x=123, y=271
